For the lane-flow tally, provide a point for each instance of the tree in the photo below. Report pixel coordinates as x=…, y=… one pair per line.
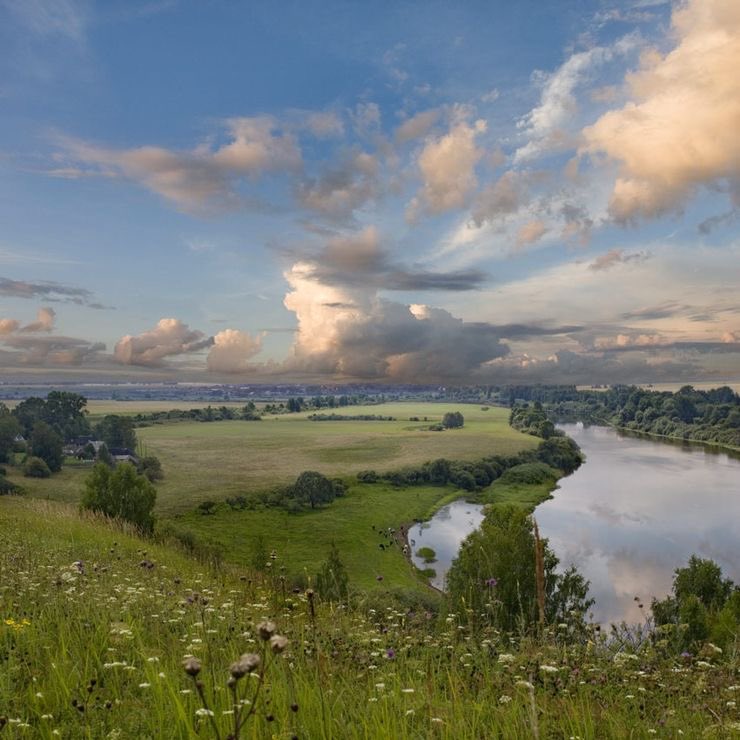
x=453, y=420
x=313, y=488
x=9, y=430
x=47, y=444
x=332, y=581
x=703, y=604
x=122, y=494
x=65, y=412
x=702, y=578
x=494, y=575
x=29, y=412
x=117, y=431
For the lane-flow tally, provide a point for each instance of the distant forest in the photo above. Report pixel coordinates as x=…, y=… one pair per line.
x=703, y=416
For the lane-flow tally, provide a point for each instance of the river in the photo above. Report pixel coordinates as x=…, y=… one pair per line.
x=631, y=514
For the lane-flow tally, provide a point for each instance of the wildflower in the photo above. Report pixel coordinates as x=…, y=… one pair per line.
x=203, y=712
x=144, y=685
x=524, y=685
x=437, y=720
x=548, y=669
x=491, y=582
x=390, y=653
x=506, y=658
x=504, y=699
x=407, y=691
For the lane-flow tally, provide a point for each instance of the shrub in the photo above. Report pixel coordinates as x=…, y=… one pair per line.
x=367, y=476
x=151, y=467
x=529, y=474
x=453, y=420
x=35, y=467
x=206, y=507
x=121, y=493
x=313, y=488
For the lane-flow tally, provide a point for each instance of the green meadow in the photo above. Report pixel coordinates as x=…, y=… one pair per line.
x=215, y=460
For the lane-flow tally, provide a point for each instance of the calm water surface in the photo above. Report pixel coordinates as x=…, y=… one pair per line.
x=627, y=518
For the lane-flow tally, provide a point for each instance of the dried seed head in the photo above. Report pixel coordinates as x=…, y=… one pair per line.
x=249, y=662
x=266, y=630
x=191, y=666
x=237, y=670
x=278, y=643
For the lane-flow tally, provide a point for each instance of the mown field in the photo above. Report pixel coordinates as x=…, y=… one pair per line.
x=95, y=624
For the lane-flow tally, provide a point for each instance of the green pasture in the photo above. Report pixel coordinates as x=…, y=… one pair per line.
x=302, y=541
x=219, y=459
x=214, y=460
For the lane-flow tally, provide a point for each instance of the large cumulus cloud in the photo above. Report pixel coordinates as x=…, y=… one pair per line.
x=354, y=332
x=680, y=130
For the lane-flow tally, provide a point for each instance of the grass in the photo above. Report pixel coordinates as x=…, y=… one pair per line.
x=95, y=623
x=354, y=523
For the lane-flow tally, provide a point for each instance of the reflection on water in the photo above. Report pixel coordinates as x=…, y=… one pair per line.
x=444, y=534
x=627, y=518
x=636, y=510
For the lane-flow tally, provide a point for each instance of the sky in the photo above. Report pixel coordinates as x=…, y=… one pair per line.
x=411, y=192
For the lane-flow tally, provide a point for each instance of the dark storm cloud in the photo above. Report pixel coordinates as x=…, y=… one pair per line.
x=360, y=261
x=49, y=291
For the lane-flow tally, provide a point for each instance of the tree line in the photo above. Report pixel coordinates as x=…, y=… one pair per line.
x=689, y=414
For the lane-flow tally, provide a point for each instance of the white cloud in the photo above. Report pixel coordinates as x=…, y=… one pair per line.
x=169, y=338
x=44, y=322
x=203, y=178
x=51, y=17
x=417, y=126
x=447, y=164
x=530, y=232
x=342, y=189
x=324, y=124
x=8, y=326
x=547, y=127
x=231, y=351
x=680, y=130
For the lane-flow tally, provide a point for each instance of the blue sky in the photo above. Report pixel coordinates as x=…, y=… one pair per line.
x=457, y=192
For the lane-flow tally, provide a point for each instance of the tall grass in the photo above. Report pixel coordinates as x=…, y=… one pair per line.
x=95, y=624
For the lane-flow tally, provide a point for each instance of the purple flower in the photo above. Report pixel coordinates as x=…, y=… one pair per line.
x=685, y=655
x=390, y=653
x=491, y=582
